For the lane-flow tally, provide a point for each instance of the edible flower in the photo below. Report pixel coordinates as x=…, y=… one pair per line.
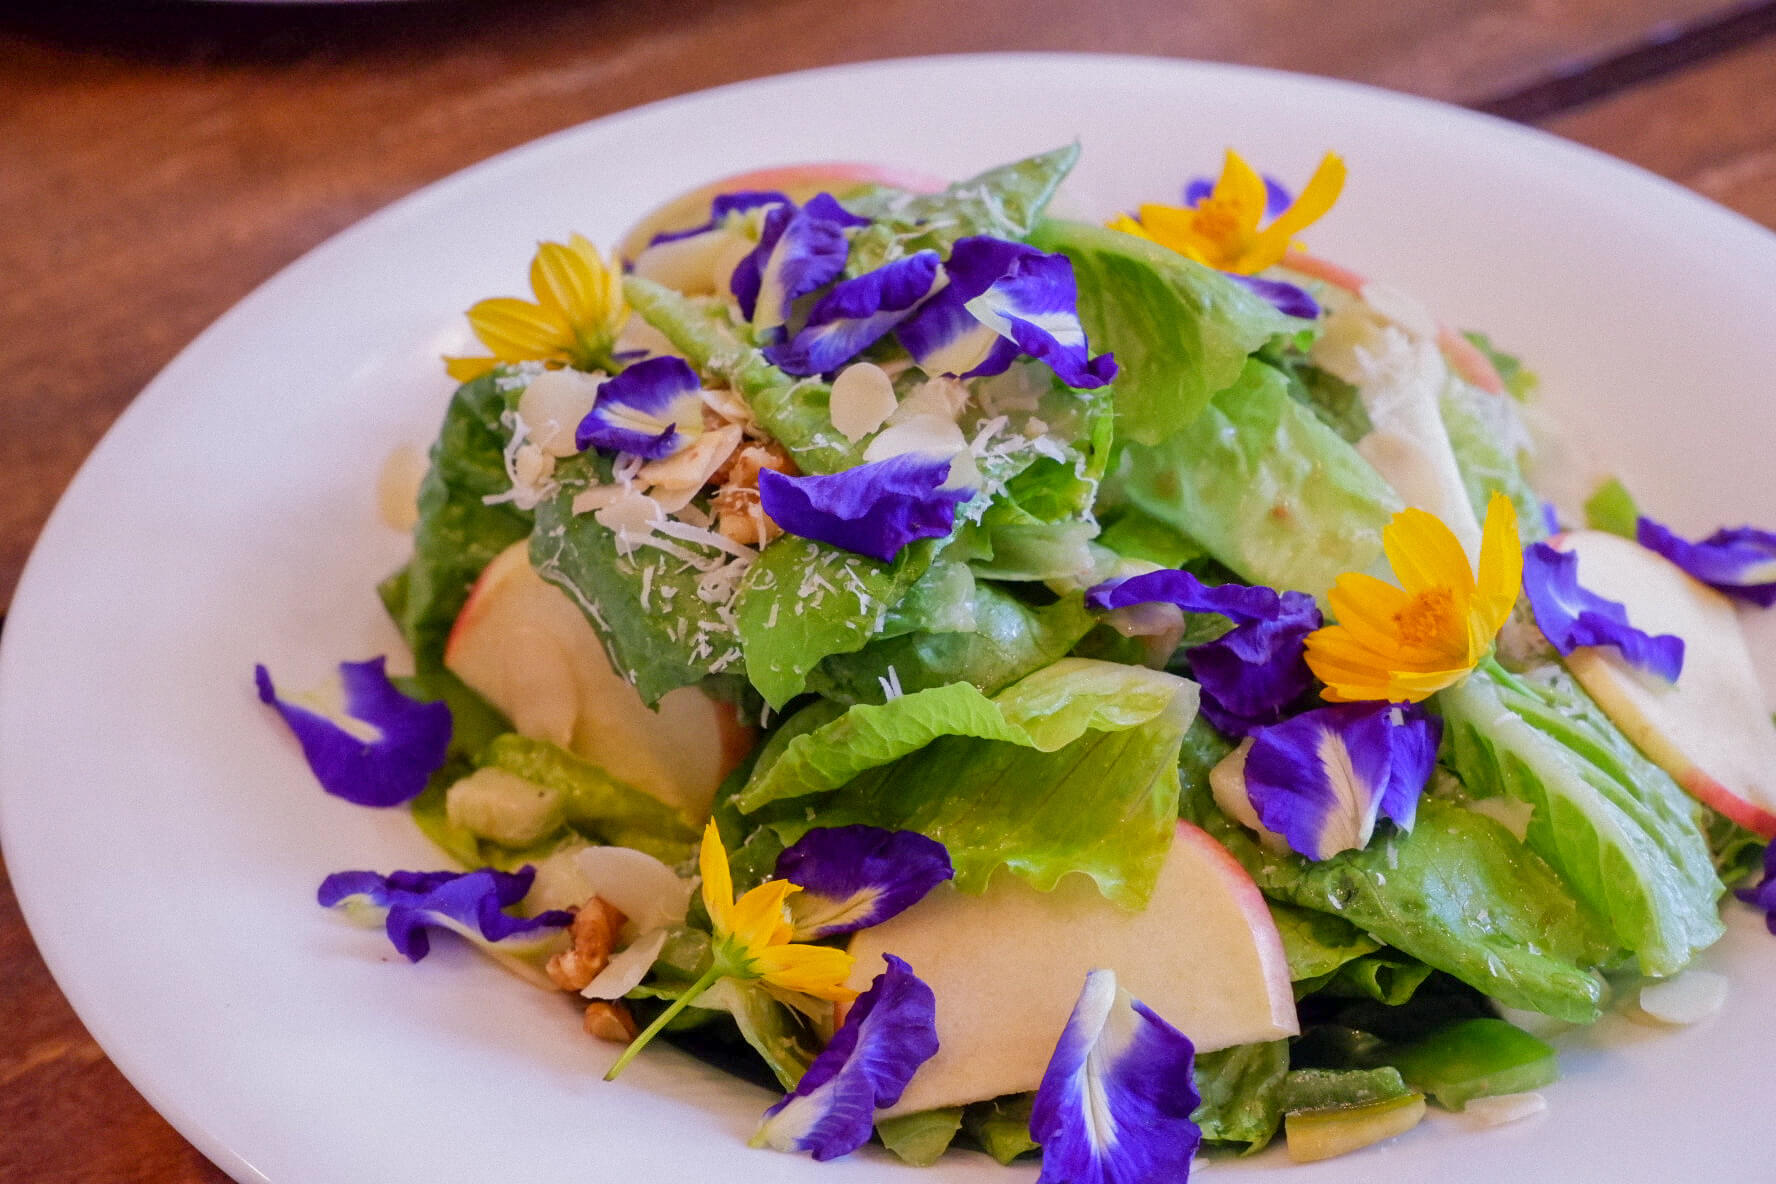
x=1277, y=197
x=721, y=207
x=1250, y=674
x=1115, y=1102
x=1004, y=300
x=1571, y=615
x=1740, y=562
x=888, y=1033
x=364, y=740
x=1323, y=778
x=853, y=877
x=579, y=311
x=1763, y=893
x=750, y=938
x=874, y=509
x=800, y=250
x=469, y=904
x=1222, y=229
x=651, y=410
x=1409, y=642
x=855, y=314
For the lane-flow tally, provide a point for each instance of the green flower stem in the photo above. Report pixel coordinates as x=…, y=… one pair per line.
x=709, y=979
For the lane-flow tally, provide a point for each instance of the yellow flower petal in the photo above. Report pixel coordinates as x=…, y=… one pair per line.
x=758, y=919
x=1239, y=192
x=718, y=881
x=518, y=331
x=1322, y=193
x=468, y=369
x=1425, y=554
x=1501, y=565
x=819, y=971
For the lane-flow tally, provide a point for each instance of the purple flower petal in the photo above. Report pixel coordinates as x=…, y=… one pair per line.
x=471, y=904
x=1114, y=1105
x=800, y=251
x=1249, y=676
x=889, y=1032
x=874, y=509
x=375, y=747
x=1740, y=561
x=1286, y=298
x=1322, y=778
x=1573, y=616
x=640, y=409
x=1004, y=299
x=852, y=877
x=1551, y=518
x=722, y=205
x=1763, y=893
x=855, y=315
x=1276, y=197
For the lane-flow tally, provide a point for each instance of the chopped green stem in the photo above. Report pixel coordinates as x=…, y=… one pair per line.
x=665, y=1017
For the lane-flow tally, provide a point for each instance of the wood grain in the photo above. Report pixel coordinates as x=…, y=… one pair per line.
x=157, y=162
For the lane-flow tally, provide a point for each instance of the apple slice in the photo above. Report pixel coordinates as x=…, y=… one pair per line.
x=1709, y=729
x=525, y=647
x=1007, y=965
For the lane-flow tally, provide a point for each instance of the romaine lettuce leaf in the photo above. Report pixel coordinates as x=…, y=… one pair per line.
x=458, y=533
x=1001, y=1126
x=1264, y=486
x=647, y=606
x=1459, y=893
x=1004, y=202
x=1181, y=332
x=1242, y=1094
x=1104, y=804
x=1482, y=427
x=1317, y=944
x=920, y=1139
x=1612, y=823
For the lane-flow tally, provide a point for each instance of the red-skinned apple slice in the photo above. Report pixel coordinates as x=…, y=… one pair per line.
x=1006, y=967
x=799, y=182
x=1709, y=729
x=524, y=646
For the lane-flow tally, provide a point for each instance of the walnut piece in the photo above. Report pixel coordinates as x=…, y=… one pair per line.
x=594, y=932
x=610, y=1020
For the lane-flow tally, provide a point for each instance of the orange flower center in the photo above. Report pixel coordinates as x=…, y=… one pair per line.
x=1429, y=617
x=1218, y=219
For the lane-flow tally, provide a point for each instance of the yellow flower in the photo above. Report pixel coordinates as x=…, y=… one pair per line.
x=752, y=934
x=1406, y=643
x=1222, y=230
x=579, y=311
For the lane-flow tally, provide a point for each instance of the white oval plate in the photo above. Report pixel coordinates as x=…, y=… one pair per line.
x=166, y=840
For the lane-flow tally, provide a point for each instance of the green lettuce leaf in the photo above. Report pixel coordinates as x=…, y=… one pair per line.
x=1481, y=427
x=1618, y=829
x=1104, y=804
x=1459, y=893
x=458, y=533
x=1317, y=944
x=1242, y=1094
x=1001, y=1126
x=1004, y=640
x=1520, y=381
x=803, y=601
x=921, y=1139
x=1611, y=507
x=1264, y=486
x=1046, y=711
x=1004, y=202
x=1181, y=332
x=596, y=803
x=646, y=606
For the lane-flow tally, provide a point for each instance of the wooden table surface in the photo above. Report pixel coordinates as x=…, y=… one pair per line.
x=157, y=162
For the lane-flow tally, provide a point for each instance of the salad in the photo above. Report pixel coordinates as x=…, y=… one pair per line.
x=1113, y=692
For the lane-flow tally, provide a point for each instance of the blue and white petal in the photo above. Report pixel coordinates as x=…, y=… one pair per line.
x=470, y=904
x=853, y=877
x=1285, y=297
x=889, y=1032
x=652, y=409
x=364, y=740
x=800, y=252
x=1249, y=676
x=1740, y=561
x=873, y=509
x=1037, y=308
x=720, y=207
x=1114, y=1105
x=1572, y=616
x=1322, y=778
x=856, y=314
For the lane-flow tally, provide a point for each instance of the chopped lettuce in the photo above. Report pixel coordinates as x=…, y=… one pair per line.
x=1001, y=1126
x=1242, y=1094
x=1611, y=507
x=458, y=532
x=1482, y=430
x=1459, y=893
x=921, y=1139
x=1264, y=486
x=1615, y=825
x=1003, y=202
x=1181, y=332
x=1317, y=944
x=594, y=801
x=1520, y=381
